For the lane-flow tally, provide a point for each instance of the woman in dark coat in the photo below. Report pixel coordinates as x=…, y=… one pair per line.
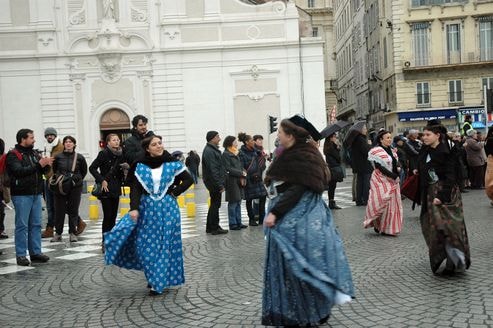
x=442, y=216
x=108, y=172
x=254, y=164
x=234, y=191
x=70, y=202
x=333, y=159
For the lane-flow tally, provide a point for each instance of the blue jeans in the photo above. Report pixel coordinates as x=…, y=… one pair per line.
x=234, y=214
x=50, y=206
x=27, y=224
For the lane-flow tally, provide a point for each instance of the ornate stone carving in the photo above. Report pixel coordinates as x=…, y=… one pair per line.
x=254, y=72
x=253, y=32
x=109, y=9
x=110, y=66
x=171, y=33
x=77, y=12
x=279, y=7
x=138, y=15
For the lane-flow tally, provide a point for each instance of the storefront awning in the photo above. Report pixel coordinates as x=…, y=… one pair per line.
x=428, y=115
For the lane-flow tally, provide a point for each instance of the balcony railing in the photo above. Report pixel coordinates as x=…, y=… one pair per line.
x=423, y=100
x=456, y=98
x=419, y=3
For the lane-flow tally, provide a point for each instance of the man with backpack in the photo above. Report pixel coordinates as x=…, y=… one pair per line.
x=25, y=168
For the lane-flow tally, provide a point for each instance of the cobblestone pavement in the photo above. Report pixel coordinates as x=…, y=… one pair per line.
x=394, y=284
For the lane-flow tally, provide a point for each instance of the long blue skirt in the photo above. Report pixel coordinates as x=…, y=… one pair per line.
x=152, y=245
x=306, y=271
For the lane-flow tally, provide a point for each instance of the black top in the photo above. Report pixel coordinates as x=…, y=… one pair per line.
x=181, y=183
x=63, y=164
x=437, y=165
x=132, y=148
x=107, y=167
x=26, y=174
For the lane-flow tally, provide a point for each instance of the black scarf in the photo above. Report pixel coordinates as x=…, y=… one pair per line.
x=152, y=162
x=388, y=150
x=300, y=164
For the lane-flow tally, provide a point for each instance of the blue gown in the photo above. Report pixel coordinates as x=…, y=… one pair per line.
x=306, y=271
x=153, y=244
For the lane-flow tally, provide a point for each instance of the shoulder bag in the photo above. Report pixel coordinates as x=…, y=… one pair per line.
x=62, y=184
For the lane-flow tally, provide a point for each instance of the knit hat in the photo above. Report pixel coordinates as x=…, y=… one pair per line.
x=211, y=135
x=50, y=131
x=470, y=132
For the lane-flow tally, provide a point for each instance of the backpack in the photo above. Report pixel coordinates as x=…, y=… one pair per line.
x=4, y=178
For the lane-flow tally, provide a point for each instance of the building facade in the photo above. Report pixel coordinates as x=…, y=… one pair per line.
x=443, y=60
x=87, y=67
x=321, y=17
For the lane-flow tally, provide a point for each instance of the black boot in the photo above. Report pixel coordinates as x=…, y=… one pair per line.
x=252, y=222
x=333, y=205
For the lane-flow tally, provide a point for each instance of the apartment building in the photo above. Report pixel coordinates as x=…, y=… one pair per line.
x=443, y=61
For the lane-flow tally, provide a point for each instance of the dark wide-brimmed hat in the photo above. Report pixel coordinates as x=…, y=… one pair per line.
x=302, y=122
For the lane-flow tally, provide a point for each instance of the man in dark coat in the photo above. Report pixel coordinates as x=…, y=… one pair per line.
x=412, y=148
x=26, y=167
x=132, y=148
x=192, y=162
x=213, y=176
x=359, y=162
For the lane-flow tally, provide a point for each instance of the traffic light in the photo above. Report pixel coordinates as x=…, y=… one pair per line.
x=489, y=100
x=272, y=124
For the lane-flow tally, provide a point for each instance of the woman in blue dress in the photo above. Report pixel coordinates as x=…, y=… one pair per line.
x=148, y=238
x=306, y=271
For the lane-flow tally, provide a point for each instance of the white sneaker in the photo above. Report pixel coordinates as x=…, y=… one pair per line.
x=56, y=238
x=73, y=238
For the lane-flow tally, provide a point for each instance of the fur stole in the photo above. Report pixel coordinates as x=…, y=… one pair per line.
x=301, y=164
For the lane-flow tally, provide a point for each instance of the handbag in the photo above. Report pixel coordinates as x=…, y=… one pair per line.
x=97, y=190
x=488, y=178
x=62, y=184
x=336, y=173
x=410, y=188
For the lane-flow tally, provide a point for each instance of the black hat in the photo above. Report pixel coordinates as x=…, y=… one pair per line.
x=211, y=135
x=305, y=124
x=433, y=122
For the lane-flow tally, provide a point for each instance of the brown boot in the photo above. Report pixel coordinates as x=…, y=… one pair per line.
x=80, y=227
x=48, y=233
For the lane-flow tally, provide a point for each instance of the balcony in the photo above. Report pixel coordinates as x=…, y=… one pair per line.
x=422, y=3
x=450, y=61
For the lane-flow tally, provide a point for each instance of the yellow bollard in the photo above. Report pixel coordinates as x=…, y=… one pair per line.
x=190, y=196
x=192, y=187
x=209, y=202
x=93, y=207
x=181, y=201
x=191, y=210
x=90, y=188
x=125, y=206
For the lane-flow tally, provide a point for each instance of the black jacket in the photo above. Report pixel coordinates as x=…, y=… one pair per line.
x=26, y=175
x=213, y=172
x=442, y=166
x=332, y=154
x=132, y=148
x=109, y=170
x=359, y=155
x=63, y=164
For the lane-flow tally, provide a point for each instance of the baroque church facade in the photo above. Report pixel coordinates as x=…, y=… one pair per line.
x=86, y=67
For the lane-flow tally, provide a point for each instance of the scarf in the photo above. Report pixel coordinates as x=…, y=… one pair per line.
x=233, y=150
x=152, y=162
x=50, y=145
x=301, y=164
x=388, y=150
x=116, y=152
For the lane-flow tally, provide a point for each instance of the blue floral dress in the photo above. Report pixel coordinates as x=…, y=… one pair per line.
x=153, y=244
x=306, y=271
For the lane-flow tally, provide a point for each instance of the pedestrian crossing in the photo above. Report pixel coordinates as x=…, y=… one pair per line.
x=89, y=243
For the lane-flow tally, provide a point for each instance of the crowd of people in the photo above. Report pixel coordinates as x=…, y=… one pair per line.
x=301, y=239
